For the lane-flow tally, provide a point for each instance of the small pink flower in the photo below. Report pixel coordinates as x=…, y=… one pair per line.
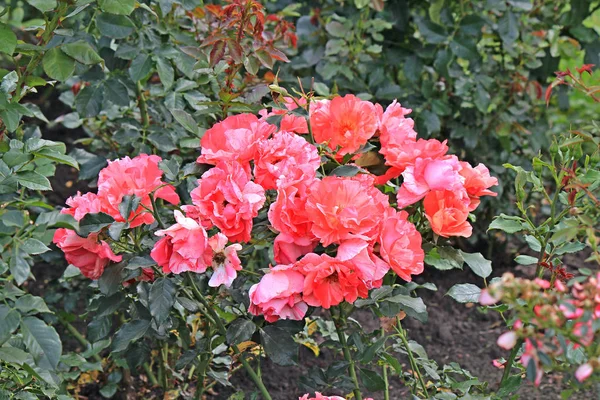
x=542, y=283
x=498, y=364
x=507, y=340
x=234, y=139
x=278, y=295
x=486, y=299
x=90, y=254
x=583, y=372
x=226, y=196
x=224, y=260
x=182, y=248
x=319, y=396
x=346, y=122
x=281, y=155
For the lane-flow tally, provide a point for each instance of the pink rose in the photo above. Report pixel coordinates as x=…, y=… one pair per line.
x=402, y=151
x=477, y=182
x=89, y=254
x=319, y=396
x=224, y=260
x=288, y=215
x=400, y=245
x=182, y=248
x=287, y=249
x=278, y=295
x=80, y=205
x=234, y=139
x=226, y=196
x=289, y=122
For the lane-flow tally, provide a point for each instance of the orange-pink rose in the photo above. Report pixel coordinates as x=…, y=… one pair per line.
x=477, y=182
x=447, y=212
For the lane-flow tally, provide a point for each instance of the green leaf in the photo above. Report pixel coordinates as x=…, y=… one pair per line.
x=12, y=355
x=170, y=167
x=43, y=5
x=114, y=26
x=112, y=279
x=336, y=29
x=240, y=331
x=465, y=293
x=128, y=333
x=279, y=345
x=116, y=92
x=128, y=205
x=444, y=258
x=28, y=303
x=507, y=224
x=140, y=67
x=372, y=380
x=33, y=246
x=431, y=32
x=435, y=10
x=57, y=156
x=8, y=39
x=94, y=222
x=42, y=342
x=186, y=120
x=161, y=299
x=478, y=263
x=508, y=28
x=11, y=118
x=411, y=305
x=82, y=52
x=10, y=322
x=165, y=72
x=34, y=181
x=121, y=7
x=482, y=99
x=89, y=101
x=346, y=170
x=526, y=260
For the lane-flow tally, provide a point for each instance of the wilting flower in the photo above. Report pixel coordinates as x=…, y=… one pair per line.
x=447, y=213
x=224, y=260
x=182, y=248
x=400, y=245
x=234, y=139
x=347, y=122
x=278, y=295
x=139, y=176
x=90, y=254
x=226, y=196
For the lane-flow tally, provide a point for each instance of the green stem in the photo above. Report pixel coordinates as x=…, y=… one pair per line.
x=411, y=357
x=510, y=361
x=346, y=350
x=73, y=331
x=223, y=331
x=155, y=212
x=386, y=393
x=142, y=105
x=37, y=58
x=150, y=374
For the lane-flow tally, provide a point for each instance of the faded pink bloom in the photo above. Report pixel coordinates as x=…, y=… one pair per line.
x=281, y=155
x=234, y=139
x=347, y=122
x=226, y=196
x=278, y=295
x=139, y=176
x=400, y=245
x=448, y=212
x=224, y=260
x=182, y=248
x=507, y=340
x=90, y=254
x=477, y=182
x=429, y=174
x=288, y=249
x=486, y=299
x=583, y=372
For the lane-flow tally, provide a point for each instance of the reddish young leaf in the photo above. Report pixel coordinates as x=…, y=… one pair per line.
x=217, y=53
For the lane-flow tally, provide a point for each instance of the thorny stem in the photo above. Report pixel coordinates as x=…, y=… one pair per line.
x=223, y=331
x=411, y=358
x=342, y=336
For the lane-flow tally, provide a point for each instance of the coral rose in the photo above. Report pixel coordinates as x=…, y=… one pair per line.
x=182, y=248
x=401, y=151
x=281, y=155
x=319, y=396
x=359, y=254
x=80, y=205
x=278, y=295
x=89, y=254
x=447, y=213
x=139, y=176
x=400, y=245
x=234, y=139
x=347, y=122
x=226, y=196
x=287, y=249
x=288, y=214
x=224, y=260
x=289, y=122
x=330, y=281
x=477, y=182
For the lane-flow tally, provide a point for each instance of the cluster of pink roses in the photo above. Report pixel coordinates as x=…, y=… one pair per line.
x=556, y=308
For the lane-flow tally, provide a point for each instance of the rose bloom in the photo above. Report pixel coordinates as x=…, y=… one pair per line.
x=82, y=204
x=234, y=139
x=345, y=208
x=278, y=295
x=226, y=196
x=401, y=152
x=281, y=155
x=429, y=174
x=447, y=213
x=400, y=245
x=287, y=249
x=288, y=214
x=319, y=396
x=289, y=122
x=347, y=122
x=182, y=248
x=359, y=254
x=89, y=254
x=477, y=182
x=330, y=281
x=137, y=176
x=224, y=260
